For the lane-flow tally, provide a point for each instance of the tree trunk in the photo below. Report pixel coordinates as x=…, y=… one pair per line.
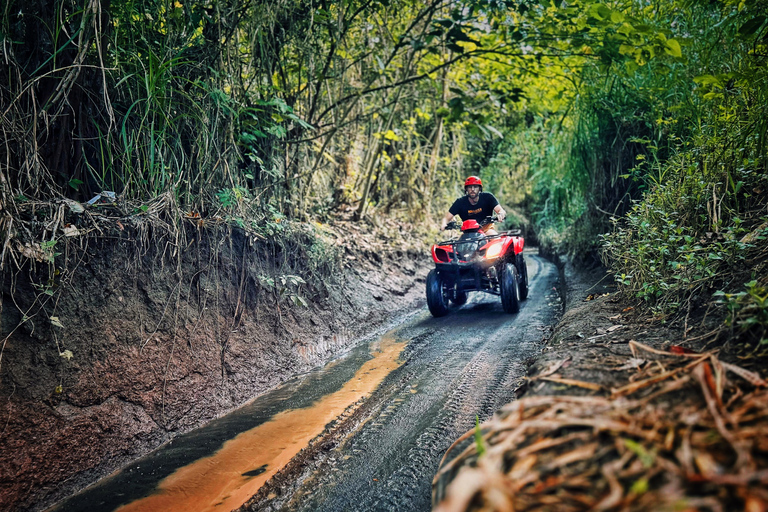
x=435, y=156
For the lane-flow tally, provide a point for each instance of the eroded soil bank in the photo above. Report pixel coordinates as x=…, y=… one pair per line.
x=133, y=346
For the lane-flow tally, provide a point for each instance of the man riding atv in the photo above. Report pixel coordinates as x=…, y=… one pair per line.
x=475, y=204
x=480, y=259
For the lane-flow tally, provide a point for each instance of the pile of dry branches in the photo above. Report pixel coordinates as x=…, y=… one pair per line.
x=683, y=434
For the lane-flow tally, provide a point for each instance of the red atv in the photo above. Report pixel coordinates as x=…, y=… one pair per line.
x=476, y=262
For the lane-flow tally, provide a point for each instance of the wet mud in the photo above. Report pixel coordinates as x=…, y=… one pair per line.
x=228, y=478
x=456, y=370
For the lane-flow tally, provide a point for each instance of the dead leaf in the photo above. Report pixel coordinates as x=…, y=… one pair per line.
x=706, y=464
x=33, y=252
x=523, y=466
x=677, y=349
x=553, y=367
x=74, y=206
x=70, y=230
x=632, y=364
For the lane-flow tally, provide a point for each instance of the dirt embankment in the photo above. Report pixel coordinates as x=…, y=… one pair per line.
x=129, y=344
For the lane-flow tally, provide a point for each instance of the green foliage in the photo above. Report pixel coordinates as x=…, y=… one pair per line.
x=659, y=258
x=698, y=227
x=265, y=113
x=284, y=287
x=748, y=310
x=479, y=443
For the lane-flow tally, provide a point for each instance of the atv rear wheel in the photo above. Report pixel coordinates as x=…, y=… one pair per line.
x=437, y=295
x=510, y=289
x=459, y=298
x=522, y=268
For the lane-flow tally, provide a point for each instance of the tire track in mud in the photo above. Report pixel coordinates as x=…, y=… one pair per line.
x=383, y=455
x=403, y=487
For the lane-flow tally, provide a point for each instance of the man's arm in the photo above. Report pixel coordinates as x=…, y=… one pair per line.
x=500, y=213
x=446, y=219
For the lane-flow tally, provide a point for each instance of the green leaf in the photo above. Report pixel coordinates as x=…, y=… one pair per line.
x=626, y=49
x=456, y=34
x=639, y=486
x=599, y=11
x=55, y=322
x=391, y=135
x=749, y=28
x=626, y=29
x=646, y=458
x=707, y=80
x=479, y=444
x=673, y=48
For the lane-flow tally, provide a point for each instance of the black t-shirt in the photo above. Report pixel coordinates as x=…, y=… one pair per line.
x=486, y=202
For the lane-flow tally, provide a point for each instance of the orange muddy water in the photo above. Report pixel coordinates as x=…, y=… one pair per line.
x=222, y=482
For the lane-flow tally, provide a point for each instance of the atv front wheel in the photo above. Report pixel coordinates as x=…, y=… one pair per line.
x=523, y=276
x=510, y=289
x=437, y=295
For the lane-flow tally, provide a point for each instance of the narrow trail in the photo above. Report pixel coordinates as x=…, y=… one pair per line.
x=456, y=368
x=372, y=426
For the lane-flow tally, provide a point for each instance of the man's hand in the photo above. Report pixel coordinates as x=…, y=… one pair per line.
x=501, y=215
x=448, y=217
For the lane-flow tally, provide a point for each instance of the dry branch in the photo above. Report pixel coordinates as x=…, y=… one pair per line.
x=644, y=448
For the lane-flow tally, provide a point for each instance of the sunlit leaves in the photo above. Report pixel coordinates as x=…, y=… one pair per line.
x=673, y=48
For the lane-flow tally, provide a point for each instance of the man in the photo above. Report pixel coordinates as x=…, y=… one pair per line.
x=476, y=204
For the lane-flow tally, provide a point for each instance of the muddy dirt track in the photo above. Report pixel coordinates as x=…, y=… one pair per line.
x=384, y=455
x=366, y=432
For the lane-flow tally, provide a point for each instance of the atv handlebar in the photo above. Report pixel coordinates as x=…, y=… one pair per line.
x=488, y=220
x=456, y=225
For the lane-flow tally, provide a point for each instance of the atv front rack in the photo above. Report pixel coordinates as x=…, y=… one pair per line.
x=454, y=241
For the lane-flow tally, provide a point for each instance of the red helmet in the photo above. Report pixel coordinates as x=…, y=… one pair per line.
x=474, y=180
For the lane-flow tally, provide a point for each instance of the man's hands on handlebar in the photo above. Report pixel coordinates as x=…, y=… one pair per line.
x=451, y=225
x=456, y=225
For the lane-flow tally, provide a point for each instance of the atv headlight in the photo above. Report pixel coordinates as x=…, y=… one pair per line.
x=493, y=251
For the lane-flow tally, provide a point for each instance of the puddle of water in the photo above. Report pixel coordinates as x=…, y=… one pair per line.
x=229, y=477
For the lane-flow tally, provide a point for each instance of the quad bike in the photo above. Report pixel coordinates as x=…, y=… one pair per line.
x=476, y=262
